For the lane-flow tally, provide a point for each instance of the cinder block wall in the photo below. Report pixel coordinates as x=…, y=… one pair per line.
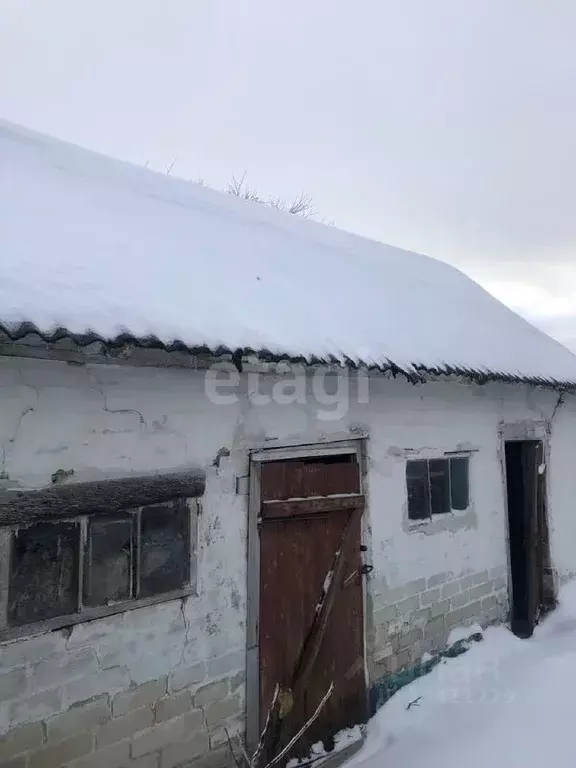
x=93, y=697
x=417, y=617
x=106, y=421
x=154, y=686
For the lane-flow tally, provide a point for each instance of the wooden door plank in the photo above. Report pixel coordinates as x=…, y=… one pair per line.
x=330, y=590
x=305, y=507
x=296, y=555
x=297, y=479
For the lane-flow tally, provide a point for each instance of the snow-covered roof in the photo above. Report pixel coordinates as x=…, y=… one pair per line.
x=99, y=247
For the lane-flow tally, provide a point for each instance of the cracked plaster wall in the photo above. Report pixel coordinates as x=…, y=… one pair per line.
x=106, y=421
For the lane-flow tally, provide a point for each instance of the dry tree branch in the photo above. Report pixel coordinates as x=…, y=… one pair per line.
x=264, y=734
x=231, y=748
x=253, y=762
x=171, y=165
x=239, y=188
x=300, y=206
x=302, y=730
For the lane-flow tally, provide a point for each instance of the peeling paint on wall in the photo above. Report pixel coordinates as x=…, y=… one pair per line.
x=118, y=421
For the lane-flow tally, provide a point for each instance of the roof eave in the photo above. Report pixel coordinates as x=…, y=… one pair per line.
x=26, y=340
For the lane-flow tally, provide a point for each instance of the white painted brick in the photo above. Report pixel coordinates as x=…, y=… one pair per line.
x=169, y=614
x=140, y=696
x=173, y=706
x=195, y=649
x=120, y=728
x=441, y=608
x=489, y=602
x=210, y=693
x=107, y=681
x=218, y=644
x=94, y=631
x=180, y=753
x=162, y=735
x=414, y=587
x=31, y=650
x=154, y=665
x=464, y=615
x=501, y=582
x=78, y=718
x=384, y=615
x=23, y=739
x=227, y=664
x=437, y=580
x=435, y=627
x=391, y=596
x=148, y=761
x=450, y=589
x=186, y=676
x=219, y=736
x=467, y=582
x=419, y=618
x=37, y=707
x=131, y=649
x=238, y=681
x=481, y=590
x=220, y=711
x=58, y=755
x=382, y=652
x=114, y=756
x=428, y=598
x=408, y=639
x=13, y=684
x=401, y=624
x=480, y=578
x=408, y=606
x=463, y=598
x=62, y=669
x=4, y=718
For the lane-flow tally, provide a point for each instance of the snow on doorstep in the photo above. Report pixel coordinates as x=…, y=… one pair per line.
x=343, y=739
x=506, y=702
x=91, y=243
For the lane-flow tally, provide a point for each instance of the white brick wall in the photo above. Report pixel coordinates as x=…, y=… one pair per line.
x=417, y=618
x=105, y=421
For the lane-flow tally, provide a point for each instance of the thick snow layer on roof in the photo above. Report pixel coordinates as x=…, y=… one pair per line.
x=91, y=243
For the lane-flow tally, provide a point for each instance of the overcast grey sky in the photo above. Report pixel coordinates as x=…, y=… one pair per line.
x=443, y=126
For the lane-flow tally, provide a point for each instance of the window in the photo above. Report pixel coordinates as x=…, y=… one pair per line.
x=72, y=570
x=436, y=486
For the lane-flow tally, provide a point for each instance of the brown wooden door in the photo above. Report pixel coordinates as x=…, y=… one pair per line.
x=309, y=511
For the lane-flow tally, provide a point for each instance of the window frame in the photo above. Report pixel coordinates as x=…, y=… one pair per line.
x=449, y=457
x=89, y=613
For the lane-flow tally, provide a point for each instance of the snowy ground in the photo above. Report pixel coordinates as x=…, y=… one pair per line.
x=506, y=702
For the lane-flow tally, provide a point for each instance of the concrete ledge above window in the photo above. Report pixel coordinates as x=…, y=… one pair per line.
x=76, y=553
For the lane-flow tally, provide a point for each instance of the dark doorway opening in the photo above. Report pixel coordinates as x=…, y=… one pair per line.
x=532, y=584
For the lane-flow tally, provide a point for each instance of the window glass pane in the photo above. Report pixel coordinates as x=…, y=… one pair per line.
x=108, y=565
x=459, y=483
x=164, y=548
x=418, y=490
x=43, y=572
x=439, y=486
